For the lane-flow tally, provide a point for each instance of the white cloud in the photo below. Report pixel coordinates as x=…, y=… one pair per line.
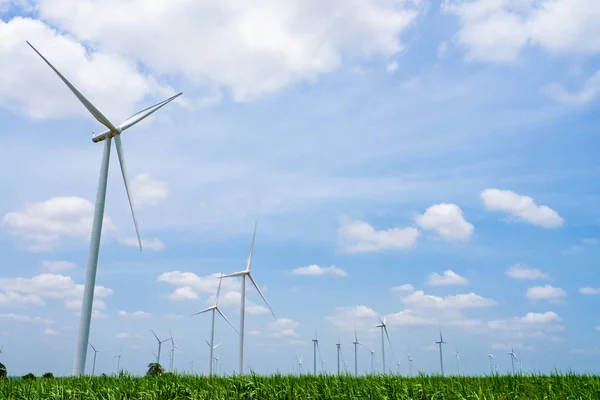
x=590, y=291
x=26, y=318
x=523, y=272
x=43, y=224
x=359, y=317
x=547, y=292
x=146, y=190
x=263, y=47
x=283, y=327
x=521, y=207
x=403, y=288
x=122, y=313
x=449, y=277
x=447, y=221
x=184, y=293
x=50, y=286
x=49, y=332
x=126, y=335
x=57, y=266
x=360, y=237
x=588, y=92
x=392, y=66
x=316, y=270
x=29, y=86
x=141, y=314
x=530, y=325
x=147, y=244
x=451, y=302
x=17, y=300
x=497, y=30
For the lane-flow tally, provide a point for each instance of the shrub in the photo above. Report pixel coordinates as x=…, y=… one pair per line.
x=155, y=369
x=29, y=377
x=48, y=375
x=3, y=371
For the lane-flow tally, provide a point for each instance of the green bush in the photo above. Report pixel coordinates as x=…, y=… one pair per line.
x=48, y=375
x=3, y=371
x=28, y=377
x=155, y=369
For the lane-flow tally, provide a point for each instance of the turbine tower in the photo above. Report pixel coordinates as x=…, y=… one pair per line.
x=491, y=356
x=338, y=346
x=512, y=357
x=246, y=273
x=160, y=342
x=457, y=361
x=410, y=360
x=315, y=348
x=383, y=327
x=372, y=351
x=93, y=363
x=440, y=343
x=92, y=265
x=214, y=309
x=356, y=344
x=118, y=357
x=172, y=352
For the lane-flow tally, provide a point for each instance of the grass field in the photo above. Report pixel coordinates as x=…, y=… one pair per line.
x=561, y=387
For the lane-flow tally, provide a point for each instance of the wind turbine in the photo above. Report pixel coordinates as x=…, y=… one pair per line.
x=383, y=327
x=192, y=363
x=315, y=348
x=160, y=342
x=520, y=369
x=94, y=362
x=356, y=344
x=338, y=346
x=457, y=361
x=512, y=357
x=214, y=308
x=172, y=352
x=108, y=135
x=372, y=351
x=398, y=367
x=410, y=360
x=440, y=343
x=246, y=273
x=118, y=357
x=491, y=356
x=299, y=360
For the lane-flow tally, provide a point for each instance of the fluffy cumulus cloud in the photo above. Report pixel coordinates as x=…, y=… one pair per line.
x=29, y=86
x=147, y=244
x=449, y=277
x=35, y=291
x=316, y=270
x=263, y=47
x=359, y=317
x=43, y=224
x=360, y=237
x=283, y=328
x=523, y=272
x=25, y=318
x=147, y=190
x=590, y=291
x=407, y=287
x=419, y=299
x=447, y=221
x=547, y=292
x=521, y=207
x=498, y=30
x=531, y=325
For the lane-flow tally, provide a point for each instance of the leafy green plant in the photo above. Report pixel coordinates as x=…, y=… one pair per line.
x=3, y=371
x=28, y=377
x=155, y=369
x=48, y=375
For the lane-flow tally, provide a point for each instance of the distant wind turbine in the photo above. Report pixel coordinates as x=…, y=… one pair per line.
x=440, y=343
x=383, y=327
x=214, y=308
x=93, y=363
x=172, y=353
x=108, y=135
x=246, y=273
x=457, y=361
x=356, y=344
x=118, y=357
x=315, y=349
x=338, y=346
x=512, y=357
x=160, y=342
x=491, y=356
x=410, y=360
x=372, y=351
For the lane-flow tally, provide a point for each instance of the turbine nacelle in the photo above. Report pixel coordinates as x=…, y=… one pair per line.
x=99, y=137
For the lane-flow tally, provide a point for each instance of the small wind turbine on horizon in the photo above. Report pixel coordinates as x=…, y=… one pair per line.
x=440, y=343
x=160, y=342
x=512, y=357
x=246, y=273
x=214, y=308
x=410, y=360
x=315, y=350
x=383, y=327
x=172, y=352
x=108, y=135
x=356, y=344
x=118, y=357
x=491, y=356
x=93, y=363
x=338, y=346
x=457, y=361
x=372, y=351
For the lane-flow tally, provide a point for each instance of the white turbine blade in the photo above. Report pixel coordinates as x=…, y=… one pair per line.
x=155, y=335
x=203, y=311
x=249, y=261
x=208, y=344
x=217, y=345
x=219, y=290
x=119, y=147
x=240, y=273
x=134, y=119
x=261, y=295
x=90, y=107
x=225, y=318
x=88, y=343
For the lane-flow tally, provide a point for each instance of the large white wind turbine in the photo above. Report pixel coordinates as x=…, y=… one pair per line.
x=94, y=362
x=246, y=273
x=440, y=343
x=90, y=280
x=383, y=327
x=491, y=356
x=315, y=350
x=214, y=308
x=160, y=342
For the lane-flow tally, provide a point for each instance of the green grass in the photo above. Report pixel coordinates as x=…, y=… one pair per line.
x=562, y=387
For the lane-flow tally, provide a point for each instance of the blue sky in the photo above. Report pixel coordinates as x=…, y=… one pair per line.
x=447, y=147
